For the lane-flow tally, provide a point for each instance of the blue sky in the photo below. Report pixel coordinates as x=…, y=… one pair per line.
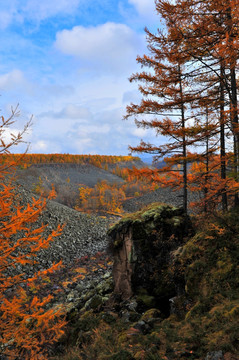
x=67, y=63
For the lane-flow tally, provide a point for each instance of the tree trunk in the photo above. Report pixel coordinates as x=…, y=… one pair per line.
x=222, y=138
x=185, y=185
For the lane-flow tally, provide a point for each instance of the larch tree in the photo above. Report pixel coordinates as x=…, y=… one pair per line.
x=29, y=326
x=167, y=99
x=207, y=32
x=201, y=37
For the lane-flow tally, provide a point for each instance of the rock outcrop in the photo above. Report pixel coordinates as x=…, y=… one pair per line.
x=175, y=293
x=143, y=245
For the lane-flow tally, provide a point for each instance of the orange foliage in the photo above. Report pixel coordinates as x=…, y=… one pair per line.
x=28, y=324
x=209, y=184
x=109, y=198
x=100, y=161
x=189, y=94
x=103, y=197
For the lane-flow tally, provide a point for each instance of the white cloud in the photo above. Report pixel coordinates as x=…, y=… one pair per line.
x=43, y=9
x=109, y=46
x=78, y=100
x=139, y=132
x=70, y=112
x=39, y=146
x=56, y=90
x=9, y=134
x=13, y=80
x=80, y=145
x=103, y=133
x=144, y=7
x=9, y=12
x=85, y=130
x=5, y=19
x=19, y=10
x=75, y=112
x=133, y=96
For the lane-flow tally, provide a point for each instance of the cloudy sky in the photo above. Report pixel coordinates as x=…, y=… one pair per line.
x=67, y=62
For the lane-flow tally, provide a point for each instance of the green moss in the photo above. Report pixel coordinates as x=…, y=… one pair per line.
x=150, y=314
x=149, y=215
x=146, y=300
x=87, y=321
x=120, y=355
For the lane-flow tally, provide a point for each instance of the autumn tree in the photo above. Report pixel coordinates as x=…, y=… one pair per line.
x=166, y=98
x=207, y=31
x=201, y=38
x=29, y=324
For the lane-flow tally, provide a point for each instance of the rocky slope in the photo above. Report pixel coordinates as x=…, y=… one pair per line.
x=164, y=195
x=82, y=235
x=67, y=177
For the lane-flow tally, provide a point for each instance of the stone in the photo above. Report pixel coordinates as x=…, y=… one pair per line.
x=70, y=297
x=105, y=286
x=214, y=355
x=95, y=302
x=142, y=326
x=82, y=235
x=146, y=301
x=132, y=304
x=142, y=245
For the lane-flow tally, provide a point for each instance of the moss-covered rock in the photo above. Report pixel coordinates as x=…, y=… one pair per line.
x=151, y=314
x=95, y=302
x=142, y=245
x=105, y=287
x=202, y=323
x=145, y=221
x=147, y=301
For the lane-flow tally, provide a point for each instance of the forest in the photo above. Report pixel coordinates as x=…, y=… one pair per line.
x=188, y=85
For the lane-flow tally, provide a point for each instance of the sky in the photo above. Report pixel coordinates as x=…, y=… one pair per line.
x=67, y=63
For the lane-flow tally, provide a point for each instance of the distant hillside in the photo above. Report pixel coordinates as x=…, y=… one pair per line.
x=96, y=160
x=39, y=172
x=91, y=183
x=149, y=160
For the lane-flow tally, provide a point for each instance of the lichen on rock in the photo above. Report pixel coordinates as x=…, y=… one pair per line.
x=142, y=244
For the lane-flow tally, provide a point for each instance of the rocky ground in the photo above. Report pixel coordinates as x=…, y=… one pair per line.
x=164, y=195
x=82, y=235
x=66, y=178
x=67, y=173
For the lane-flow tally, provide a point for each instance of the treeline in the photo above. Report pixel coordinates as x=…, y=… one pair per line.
x=100, y=161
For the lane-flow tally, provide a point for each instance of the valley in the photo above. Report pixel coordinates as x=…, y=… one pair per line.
x=137, y=305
